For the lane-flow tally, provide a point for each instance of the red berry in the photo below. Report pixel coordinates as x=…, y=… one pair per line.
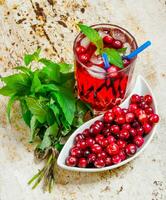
x=142, y=118
x=140, y=130
x=113, y=71
x=126, y=126
x=96, y=148
x=129, y=117
x=86, y=133
x=104, y=143
x=121, y=143
x=79, y=137
x=95, y=129
x=122, y=155
x=135, y=98
x=99, y=138
x=124, y=134
x=124, y=110
x=112, y=149
x=133, y=107
x=107, y=39
x=86, y=153
x=81, y=144
x=147, y=128
x=89, y=142
x=143, y=105
x=139, y=111
x=91, y=158
x=154, y=118
x=99, y=123
x=148, y=110
x=133, y=132
x=135, y=124
x=120, y=120
x=108, y=161
x=80, y=49
x=106, y=131
x=117, y=110
x=126, y=62
x=111, y=139
x=71, y=161
x=76, y=152
x=84, y=58
x=117, y=44
x=138, y=140
x=115, y=129
x=148, y=99
x=131, y=149
x=99, y=163
x=108, y=117
x=102, y=155
x=116, y=159
x=82, y=163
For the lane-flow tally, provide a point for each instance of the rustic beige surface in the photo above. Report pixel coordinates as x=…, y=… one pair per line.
x=51, y=24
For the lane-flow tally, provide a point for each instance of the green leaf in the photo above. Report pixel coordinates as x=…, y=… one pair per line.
x=28, y=58
x=122, y=50
x=114, y=57
x=59, y=146
x=47, y=88
x=65, y=68
x=12, y=99
x=56, y=111
x=37, y=108
x=50, y=117
x=50, y=132
x=24, y=69
x=66, y=101
x=7, y=91
x=34, y=124
x=26, y=114
x=93, y=36
x=36, y=84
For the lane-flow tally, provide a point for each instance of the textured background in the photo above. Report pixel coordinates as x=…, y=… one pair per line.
x=51, y=24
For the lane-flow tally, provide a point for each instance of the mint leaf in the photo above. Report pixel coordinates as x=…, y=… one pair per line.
x=28, y=58
x=33, y=125
x=7, y=91
x=36, y=84
x=24, y=69
x=114, y=57
x=47, y=88
x=26, y=114
x=12, y=99
x=65, y=68
x=93, y=36
x=56, y=111
x=37, y=108
x=122, y=50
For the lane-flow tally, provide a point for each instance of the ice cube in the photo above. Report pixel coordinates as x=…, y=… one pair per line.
x=118, y=35
x=103, y=34
x=96, y=60
x=97, y=72
x=85, y=42
x=128, y=50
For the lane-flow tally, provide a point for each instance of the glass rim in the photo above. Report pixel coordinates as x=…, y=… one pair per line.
x=102, y=25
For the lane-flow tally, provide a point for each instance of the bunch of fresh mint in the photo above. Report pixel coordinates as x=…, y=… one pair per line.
x=49, y=107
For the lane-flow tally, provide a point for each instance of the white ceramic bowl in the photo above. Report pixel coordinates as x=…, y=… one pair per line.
x=141, y=88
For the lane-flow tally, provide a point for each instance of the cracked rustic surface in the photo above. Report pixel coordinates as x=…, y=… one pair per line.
x=51, y=25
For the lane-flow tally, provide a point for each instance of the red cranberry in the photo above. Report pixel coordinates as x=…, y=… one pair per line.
x=120, y=120
x=96, y=148
x=122, y=155
x=133, y=132
x=84, y=58
x=139, y=111
x=86, y=133
x=135, y=98
x=89, y=142
x=99, y=138
x=107, y=39
x=117, y=44
x=91, y=158
x=108, y=117
x=143, y=105
x=82, y=163
x=106, y=131
x=117, y=110
x=94, y=129
x=115, y=129
x=79, y=137
x=99, y=123
x=116, y=159
x=142, y=118
x=111, y=139
x=138, y=140
x=80, y=49
x=148, y=99
x=126, y=62
x=133, y=107
x=124, y=110
x=71, y=161
x=135, y=124
x=124, y=134
x=113, y=71
x=102, y=155
x=129, y=117
x=126, y=126
x=113, y=149
x=121, y=143
x=86, y=153
x=99, y=163
x=107, y=125
x=131, y=149
x=81, y=144
x=76, y=152
x=154, y=118
x=148, y=110
x=104, y=143
x=140, y=130
x=147, y=128
x=108, y=161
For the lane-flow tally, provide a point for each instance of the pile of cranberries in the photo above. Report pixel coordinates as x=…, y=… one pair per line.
x=116, y=137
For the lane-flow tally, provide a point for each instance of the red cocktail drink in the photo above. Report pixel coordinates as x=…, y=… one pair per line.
x=99, y=87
